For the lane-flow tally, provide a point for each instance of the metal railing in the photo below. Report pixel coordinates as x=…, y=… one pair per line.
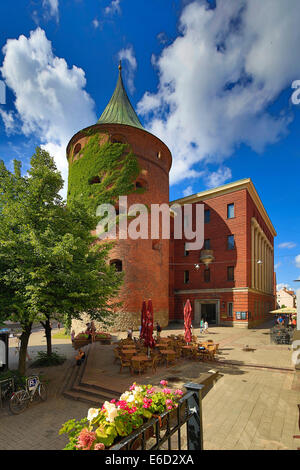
x=160, y=432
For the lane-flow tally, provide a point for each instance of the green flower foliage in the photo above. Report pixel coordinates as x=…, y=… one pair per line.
x=112, y=165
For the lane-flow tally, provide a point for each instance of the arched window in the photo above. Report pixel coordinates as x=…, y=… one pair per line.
x=77, y=149
x=117, y=263
x=118, y=139
x=141, y=184
x=95, y=180
x=158, y=155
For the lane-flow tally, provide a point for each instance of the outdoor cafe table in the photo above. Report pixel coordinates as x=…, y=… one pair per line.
x=167, y=351
x=128, y=352
x=141, y=358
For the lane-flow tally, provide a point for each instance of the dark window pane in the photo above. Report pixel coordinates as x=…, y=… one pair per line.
x=206, y=216
x=230, y=211
x=207, y=275
x=230, y=273
x=230, y=242
x=207, y=244
x=186, y=277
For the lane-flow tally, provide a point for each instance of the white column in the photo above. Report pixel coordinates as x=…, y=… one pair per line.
x=265, y=266
x=252, y=256
x=259, y=265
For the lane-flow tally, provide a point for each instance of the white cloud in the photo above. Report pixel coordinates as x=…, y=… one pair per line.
x=297, y=261
x=187, y=191
x=127, y=55
x=113, y=7
x=288, y=245
x=96, y=23
x=52, y=8
x=218, y=178
x=50, y=98
x=277, y=265
x=218, y=77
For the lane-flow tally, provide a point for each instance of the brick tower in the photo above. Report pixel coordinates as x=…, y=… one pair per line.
x=145, y=262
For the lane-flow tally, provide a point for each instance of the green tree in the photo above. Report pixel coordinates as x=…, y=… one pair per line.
x=50, y=263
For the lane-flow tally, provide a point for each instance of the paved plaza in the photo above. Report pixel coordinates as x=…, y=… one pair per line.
x=252, y=406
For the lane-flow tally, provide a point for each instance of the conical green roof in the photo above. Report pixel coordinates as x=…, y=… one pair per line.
x=119, y=109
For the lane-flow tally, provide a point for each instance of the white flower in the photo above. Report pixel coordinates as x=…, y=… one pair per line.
x=111, y=410
x=137, y=390
x=130, y=398
x=125, y=396
x=92, y=413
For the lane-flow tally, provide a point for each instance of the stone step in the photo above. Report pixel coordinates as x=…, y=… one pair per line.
x=83, y=397
x=97, y=394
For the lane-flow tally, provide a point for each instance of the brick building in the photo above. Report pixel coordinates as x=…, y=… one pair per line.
x=230, y=281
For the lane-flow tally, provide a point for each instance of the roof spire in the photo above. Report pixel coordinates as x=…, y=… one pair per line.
x=119, y=109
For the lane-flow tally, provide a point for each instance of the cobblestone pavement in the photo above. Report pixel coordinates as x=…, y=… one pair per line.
x=248, y=408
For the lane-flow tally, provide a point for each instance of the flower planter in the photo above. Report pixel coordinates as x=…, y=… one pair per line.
x=103, y=340
x=111, y=426
x=79, y=343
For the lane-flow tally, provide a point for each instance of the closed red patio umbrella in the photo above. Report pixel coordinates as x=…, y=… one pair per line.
x=148, y=335
x=143, y=319
x=187, y=313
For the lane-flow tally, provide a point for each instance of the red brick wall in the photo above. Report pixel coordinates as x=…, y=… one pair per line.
x=146, y=269
x=217, y=231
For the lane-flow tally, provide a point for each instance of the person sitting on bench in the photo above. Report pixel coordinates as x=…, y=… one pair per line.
x=80, y=357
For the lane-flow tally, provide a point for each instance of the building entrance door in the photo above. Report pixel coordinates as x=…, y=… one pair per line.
x=205, y=310
x=209, y=313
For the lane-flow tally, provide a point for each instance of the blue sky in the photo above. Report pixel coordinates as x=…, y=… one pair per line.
x=212, y=80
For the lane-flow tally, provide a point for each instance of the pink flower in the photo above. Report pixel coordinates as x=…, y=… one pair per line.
x=99, y=446
x=167, y=391
x=169, y=402
x=178, y=392
x=113, y=400
x=132, y=387
x=122, y=404
x=147, y=402
x=163, y=383
x=86, y=439
x=169, y=407
x=150, y=391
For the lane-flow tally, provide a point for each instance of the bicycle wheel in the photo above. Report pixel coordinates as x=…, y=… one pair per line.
x=43, y=392
x=18, y=402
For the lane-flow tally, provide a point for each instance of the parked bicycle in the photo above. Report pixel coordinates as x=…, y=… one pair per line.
x=33, y=389
x=7, y=388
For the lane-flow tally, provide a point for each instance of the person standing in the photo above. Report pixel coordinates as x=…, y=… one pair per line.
x=158, y=329
x=205, y=327
x=201, y=325
x=72, y=335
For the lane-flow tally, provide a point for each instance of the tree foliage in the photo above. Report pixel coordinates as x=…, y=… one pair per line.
x=50, y=262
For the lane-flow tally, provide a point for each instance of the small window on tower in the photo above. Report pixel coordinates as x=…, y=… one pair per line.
x=95, y=180
x=118, y=139
x=77, y=149
x=117, y=263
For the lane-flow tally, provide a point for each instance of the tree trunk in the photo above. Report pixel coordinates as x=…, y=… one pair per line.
x=48, y=329
x=23, y=348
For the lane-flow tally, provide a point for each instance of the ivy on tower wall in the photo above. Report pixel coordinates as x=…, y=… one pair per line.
x=102, y=172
